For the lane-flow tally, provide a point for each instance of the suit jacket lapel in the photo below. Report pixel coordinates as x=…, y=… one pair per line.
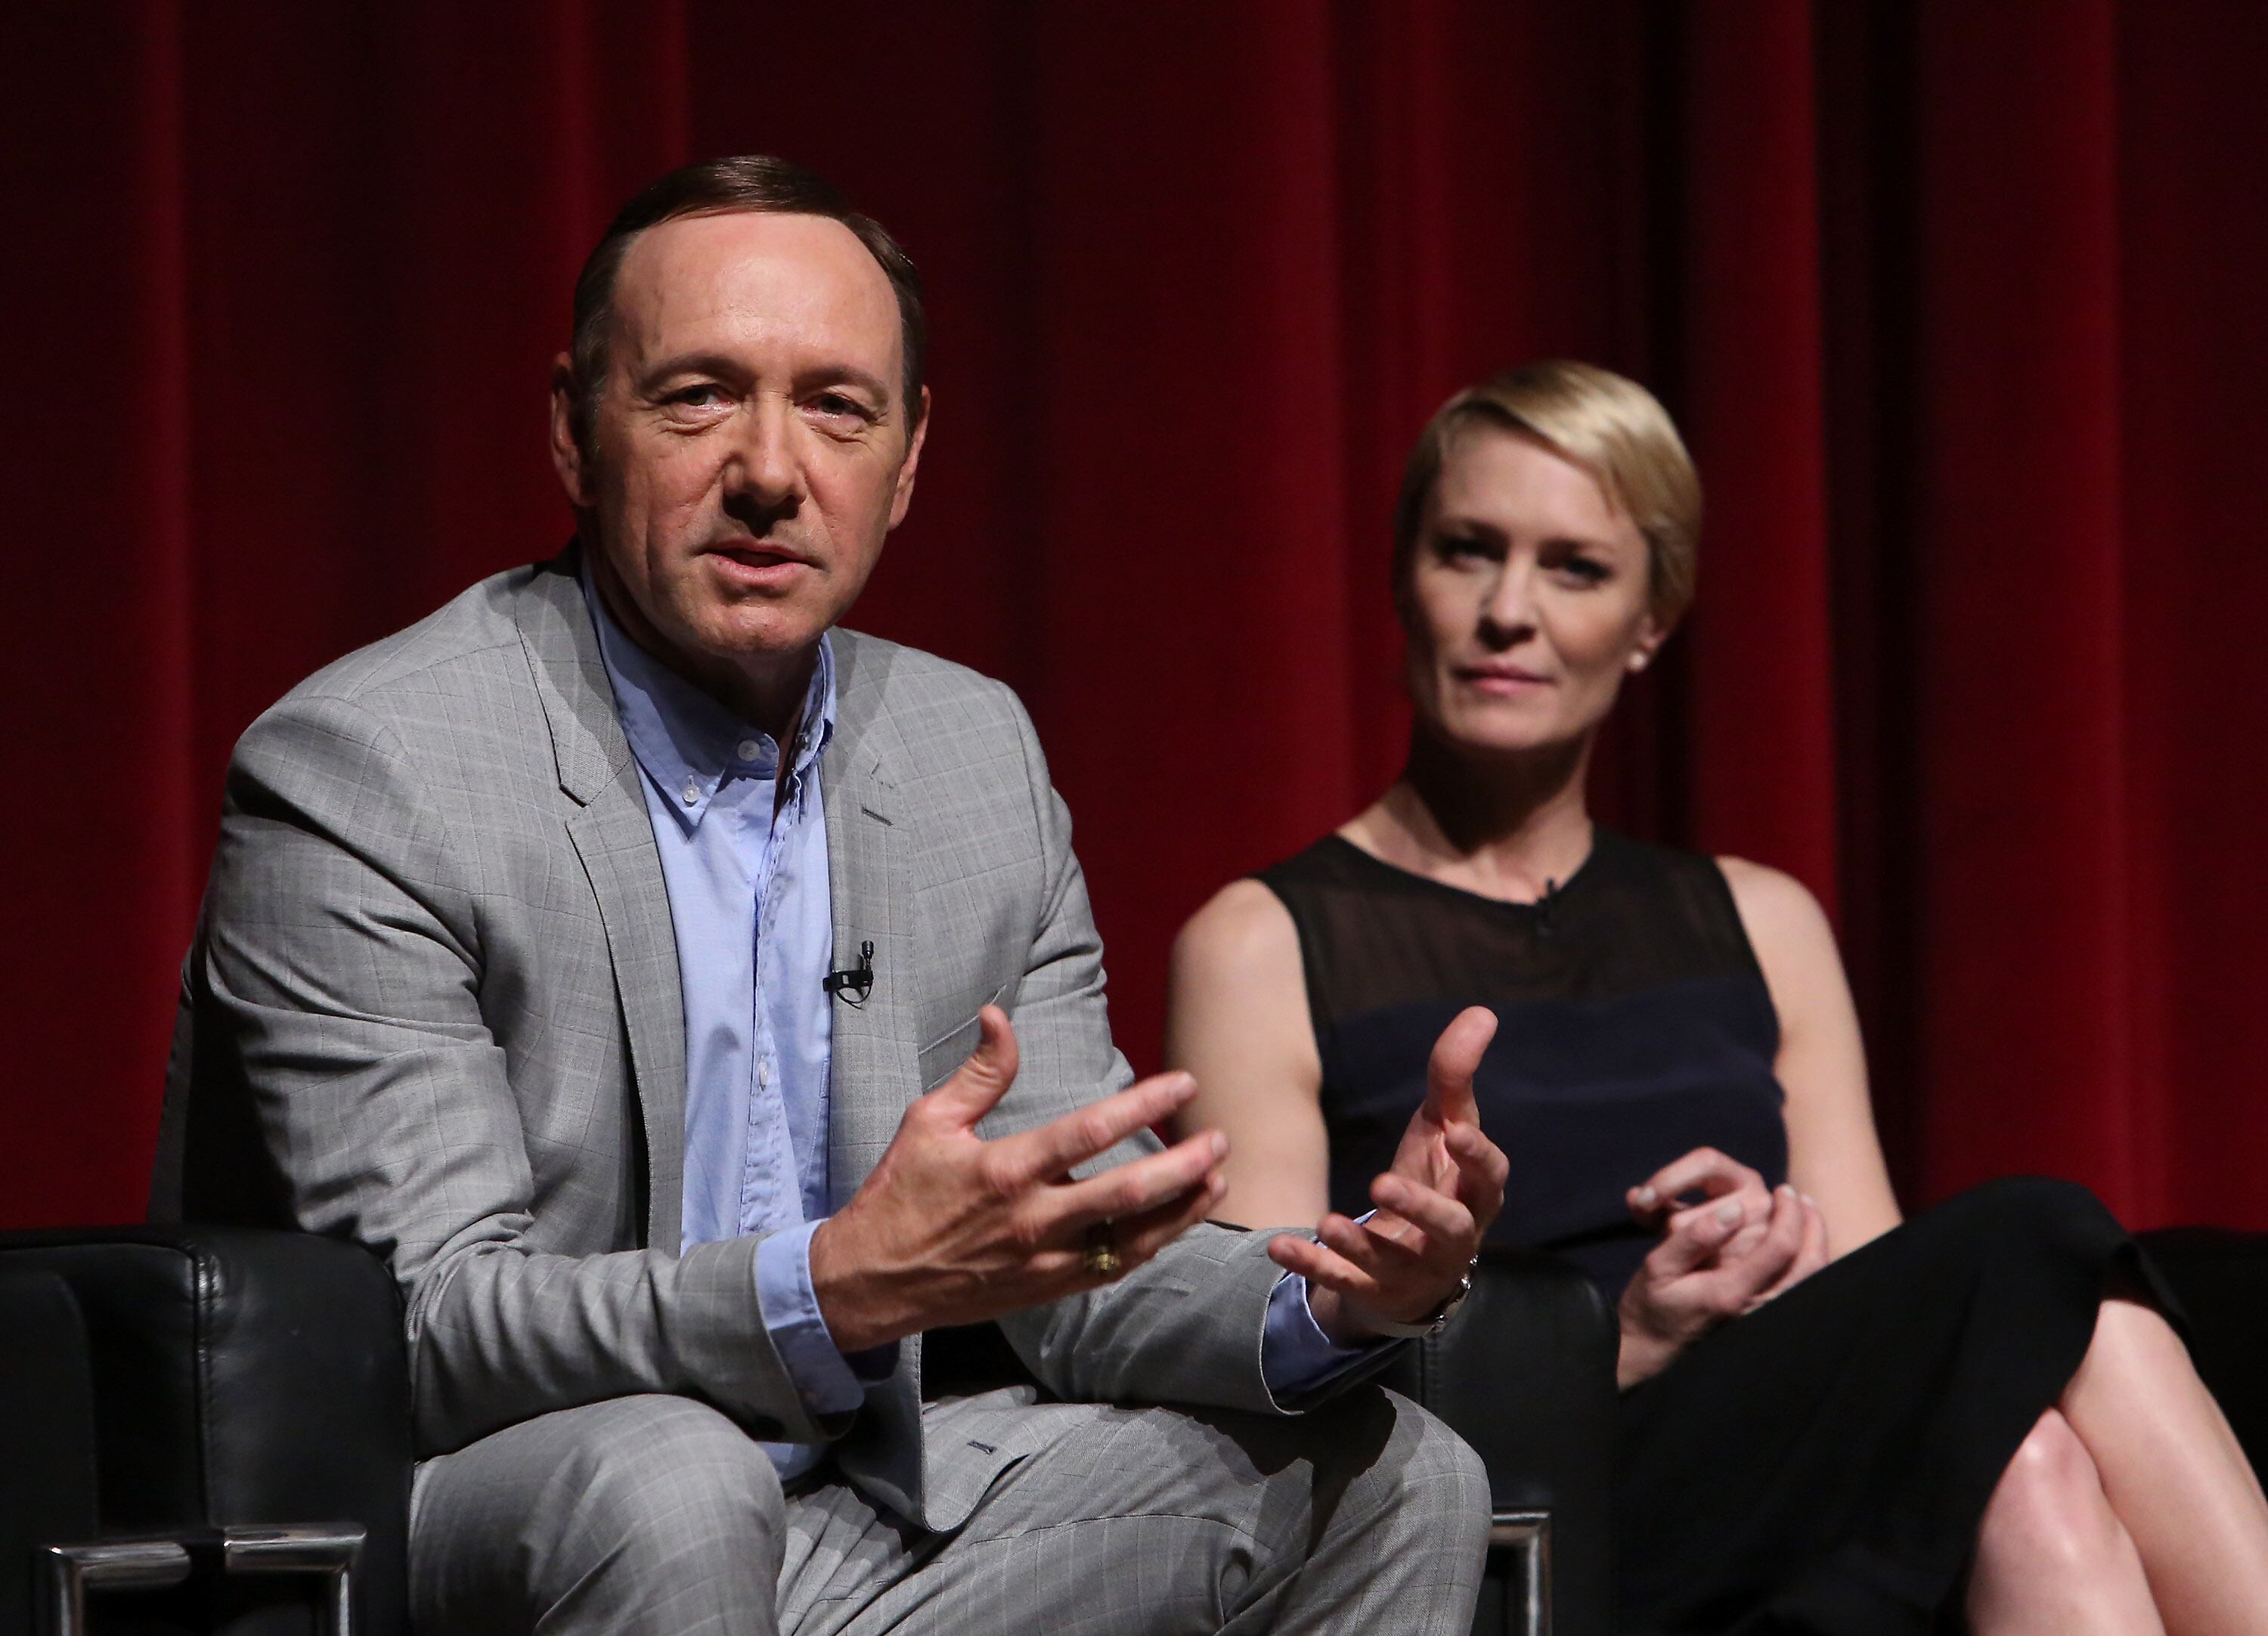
x=614, y=837
x=876, y=1054
x=875, y=1072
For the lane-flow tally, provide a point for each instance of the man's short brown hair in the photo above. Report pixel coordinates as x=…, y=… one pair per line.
x=754, y=182
x=1608, y=424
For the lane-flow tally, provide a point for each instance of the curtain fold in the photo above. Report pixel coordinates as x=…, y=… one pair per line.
x=1957, y=304
x=2022, y=652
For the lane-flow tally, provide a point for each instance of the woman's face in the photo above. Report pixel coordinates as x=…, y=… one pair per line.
x=1526, y=598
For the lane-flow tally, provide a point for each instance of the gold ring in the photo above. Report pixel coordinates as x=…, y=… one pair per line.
x=1100, y=1258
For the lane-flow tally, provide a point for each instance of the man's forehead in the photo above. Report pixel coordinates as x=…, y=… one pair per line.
x=808, y=276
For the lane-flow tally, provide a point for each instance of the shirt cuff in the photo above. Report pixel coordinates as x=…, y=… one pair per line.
x=827, y=1382
x=1296, y=1357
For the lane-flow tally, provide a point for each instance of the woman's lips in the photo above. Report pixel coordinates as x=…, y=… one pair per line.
x=1506, y=681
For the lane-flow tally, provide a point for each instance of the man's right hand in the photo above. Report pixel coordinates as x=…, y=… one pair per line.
x=951, y=1229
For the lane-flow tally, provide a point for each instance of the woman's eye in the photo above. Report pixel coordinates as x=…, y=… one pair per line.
x=1459, y=548
x=1584, y=569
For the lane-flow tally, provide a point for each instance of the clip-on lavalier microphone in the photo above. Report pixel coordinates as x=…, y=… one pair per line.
x=852, y=987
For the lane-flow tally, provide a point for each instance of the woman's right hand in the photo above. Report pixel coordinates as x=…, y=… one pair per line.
x=1726, y=1255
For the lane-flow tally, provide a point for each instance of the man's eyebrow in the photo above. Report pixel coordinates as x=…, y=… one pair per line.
x=690, y=363
x=725, y=367
x=848, y=375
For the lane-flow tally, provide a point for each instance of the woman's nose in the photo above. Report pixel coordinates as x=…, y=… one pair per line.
x=1508, y=612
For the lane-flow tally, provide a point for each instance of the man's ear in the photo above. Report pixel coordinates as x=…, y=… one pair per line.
x=905, y=495
x=566, y=450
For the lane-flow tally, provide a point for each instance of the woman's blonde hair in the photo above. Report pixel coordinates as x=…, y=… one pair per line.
x=1612, y=427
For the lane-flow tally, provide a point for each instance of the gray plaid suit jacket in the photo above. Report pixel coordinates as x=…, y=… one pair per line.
x=434, y=1004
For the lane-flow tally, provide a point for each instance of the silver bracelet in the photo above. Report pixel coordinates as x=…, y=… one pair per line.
x=1434, y=1321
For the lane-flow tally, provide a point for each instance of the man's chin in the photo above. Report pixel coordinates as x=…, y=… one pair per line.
x=757, y=630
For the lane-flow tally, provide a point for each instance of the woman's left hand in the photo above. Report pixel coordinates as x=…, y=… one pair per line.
x=1710, y=1267
x=1717, y=1177
x=1810, y=1256
x=1434, y=1204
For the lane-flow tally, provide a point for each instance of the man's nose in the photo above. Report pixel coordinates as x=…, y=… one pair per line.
x=765, y=467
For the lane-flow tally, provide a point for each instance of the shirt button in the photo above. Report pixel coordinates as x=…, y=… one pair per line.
x=764, y=1073
x=750, y=749
x=692, y=791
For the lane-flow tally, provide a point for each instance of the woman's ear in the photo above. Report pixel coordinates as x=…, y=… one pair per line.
x=1651, y=633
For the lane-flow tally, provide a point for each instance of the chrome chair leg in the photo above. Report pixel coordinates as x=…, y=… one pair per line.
x=1527, y=1535
x=327, y=1550
x=71, y=1571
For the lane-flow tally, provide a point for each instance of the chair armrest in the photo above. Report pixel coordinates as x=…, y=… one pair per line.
x=243, y=1377
x=46, y=1431
x=1525, y=1372
x=2220, y=1278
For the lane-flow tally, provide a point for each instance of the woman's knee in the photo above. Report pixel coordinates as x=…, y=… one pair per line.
x=2030, y=1227
x=2049, y=1508
x=2040, y=1209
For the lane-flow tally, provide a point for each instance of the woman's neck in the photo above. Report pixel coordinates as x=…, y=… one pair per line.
x=1506, y=828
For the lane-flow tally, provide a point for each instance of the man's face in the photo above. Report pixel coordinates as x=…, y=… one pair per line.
x=750, y=447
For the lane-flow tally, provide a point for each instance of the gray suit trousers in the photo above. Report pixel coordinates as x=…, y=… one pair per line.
x=648, y=1515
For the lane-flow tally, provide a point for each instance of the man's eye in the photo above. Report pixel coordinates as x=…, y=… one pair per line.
x=696, y=397
x=835, y=405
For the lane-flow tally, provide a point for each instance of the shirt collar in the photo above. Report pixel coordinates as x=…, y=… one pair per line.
x=687, y=742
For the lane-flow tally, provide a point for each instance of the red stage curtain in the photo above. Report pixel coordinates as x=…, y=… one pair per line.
x=1961, y=305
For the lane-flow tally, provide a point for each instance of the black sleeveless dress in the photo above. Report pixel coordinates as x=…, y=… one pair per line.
x=1822, y=1463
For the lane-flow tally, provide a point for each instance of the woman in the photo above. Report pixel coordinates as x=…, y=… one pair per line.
x=1830, y=1421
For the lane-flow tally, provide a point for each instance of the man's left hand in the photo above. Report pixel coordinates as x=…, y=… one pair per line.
x=1434, y=1203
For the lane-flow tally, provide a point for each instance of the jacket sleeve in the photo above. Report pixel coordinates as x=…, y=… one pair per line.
x=337, y=986
x=1188, y=1326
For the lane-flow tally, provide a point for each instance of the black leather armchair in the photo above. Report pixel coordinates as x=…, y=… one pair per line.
x=176, y=1394
x=1525, y=1372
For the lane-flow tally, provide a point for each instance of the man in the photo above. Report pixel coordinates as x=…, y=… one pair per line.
x=698, y=1007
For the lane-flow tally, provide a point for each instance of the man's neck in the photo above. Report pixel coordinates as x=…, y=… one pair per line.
x=766, y=691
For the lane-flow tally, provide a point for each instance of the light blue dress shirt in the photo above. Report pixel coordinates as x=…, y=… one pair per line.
x=745, y=864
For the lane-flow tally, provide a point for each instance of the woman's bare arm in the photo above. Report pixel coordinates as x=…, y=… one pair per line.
x=1236, y=1017
x=1834, y=1154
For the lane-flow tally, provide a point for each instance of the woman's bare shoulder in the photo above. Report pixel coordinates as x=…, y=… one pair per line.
x=1795, y=947
x=1241, y=922
x=1237, y=1009
x=1778, y=911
